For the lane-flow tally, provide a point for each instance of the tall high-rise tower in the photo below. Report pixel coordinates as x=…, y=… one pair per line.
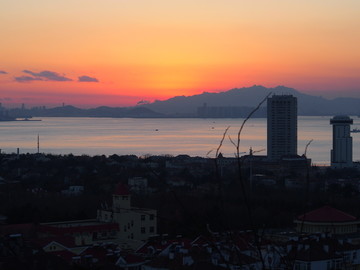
x=341, y=153
x=281, y=126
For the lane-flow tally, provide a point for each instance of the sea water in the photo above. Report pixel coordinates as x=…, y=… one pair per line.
x=160, y=136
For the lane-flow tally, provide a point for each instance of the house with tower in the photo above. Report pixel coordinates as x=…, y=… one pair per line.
x=136, y=224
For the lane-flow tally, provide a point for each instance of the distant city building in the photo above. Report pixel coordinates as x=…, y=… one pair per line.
x=138, y=184
x=281, y=126
x=341, y=153
x=227, y=111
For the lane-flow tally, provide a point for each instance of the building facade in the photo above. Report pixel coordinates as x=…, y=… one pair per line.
x=136, y=224
x=281, y=126
x=327, y=220
x=341, y=153
x=76, y=235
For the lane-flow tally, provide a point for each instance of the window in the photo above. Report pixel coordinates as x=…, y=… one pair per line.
x=338, y=264
x=143, y=230
x=151, y=217
x=152, y=229
x=142, y=217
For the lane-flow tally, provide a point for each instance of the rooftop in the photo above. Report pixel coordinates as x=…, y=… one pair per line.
x=326, y=214
x=121, y=190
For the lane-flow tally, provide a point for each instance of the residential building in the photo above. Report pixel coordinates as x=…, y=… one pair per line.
x=73, y=191
x=327, y=220
x=341, y=153
x=281, y=126
x=130, y=262
x=322, y=254
x=136, y=224
x=81, y=233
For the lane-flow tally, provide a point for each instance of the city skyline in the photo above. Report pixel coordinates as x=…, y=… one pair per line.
x=118, y=53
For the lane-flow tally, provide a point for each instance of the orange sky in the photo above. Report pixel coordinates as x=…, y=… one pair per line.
x=155, y=49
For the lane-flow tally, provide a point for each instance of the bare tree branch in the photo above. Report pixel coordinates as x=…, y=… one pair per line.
x=307, y=145
x=222, y=140
x=244, y=122
x=242, y=184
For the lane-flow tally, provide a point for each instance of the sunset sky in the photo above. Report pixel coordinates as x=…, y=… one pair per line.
x=117, y=52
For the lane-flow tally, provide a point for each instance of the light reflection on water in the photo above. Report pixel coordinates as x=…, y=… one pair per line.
x=195, y=137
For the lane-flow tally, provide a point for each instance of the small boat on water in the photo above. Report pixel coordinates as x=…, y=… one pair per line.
x=3, y=119
x=28, y=119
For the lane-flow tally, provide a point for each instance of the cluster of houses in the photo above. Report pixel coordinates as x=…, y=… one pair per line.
x=181, y=172
x=126, y=237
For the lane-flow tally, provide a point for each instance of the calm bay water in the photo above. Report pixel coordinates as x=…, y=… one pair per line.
x=195, y=137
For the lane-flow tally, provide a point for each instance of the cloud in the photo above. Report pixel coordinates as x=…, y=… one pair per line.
x=3, y=72
x=27, y=79
x=47, y=75
x=87, y=79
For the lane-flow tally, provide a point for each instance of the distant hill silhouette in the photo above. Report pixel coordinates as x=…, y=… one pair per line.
x=250, y=97
x=71, y=111
x=236, y=102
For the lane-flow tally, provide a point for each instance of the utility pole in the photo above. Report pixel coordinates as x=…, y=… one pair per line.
x=38, y=144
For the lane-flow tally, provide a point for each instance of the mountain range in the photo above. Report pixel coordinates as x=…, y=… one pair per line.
x=236, y=102
x=251, y=97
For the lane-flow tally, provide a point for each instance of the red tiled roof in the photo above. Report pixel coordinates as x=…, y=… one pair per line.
x=132, y=259
x=121, y=189
x=65, y=255
x=326, y=214
x=26, y=229
x=66, y=241
x=79, y=229
x=159, y=245
x=97, y=252
x=200, y=241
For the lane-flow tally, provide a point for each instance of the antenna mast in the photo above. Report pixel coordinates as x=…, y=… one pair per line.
x=38, y=144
